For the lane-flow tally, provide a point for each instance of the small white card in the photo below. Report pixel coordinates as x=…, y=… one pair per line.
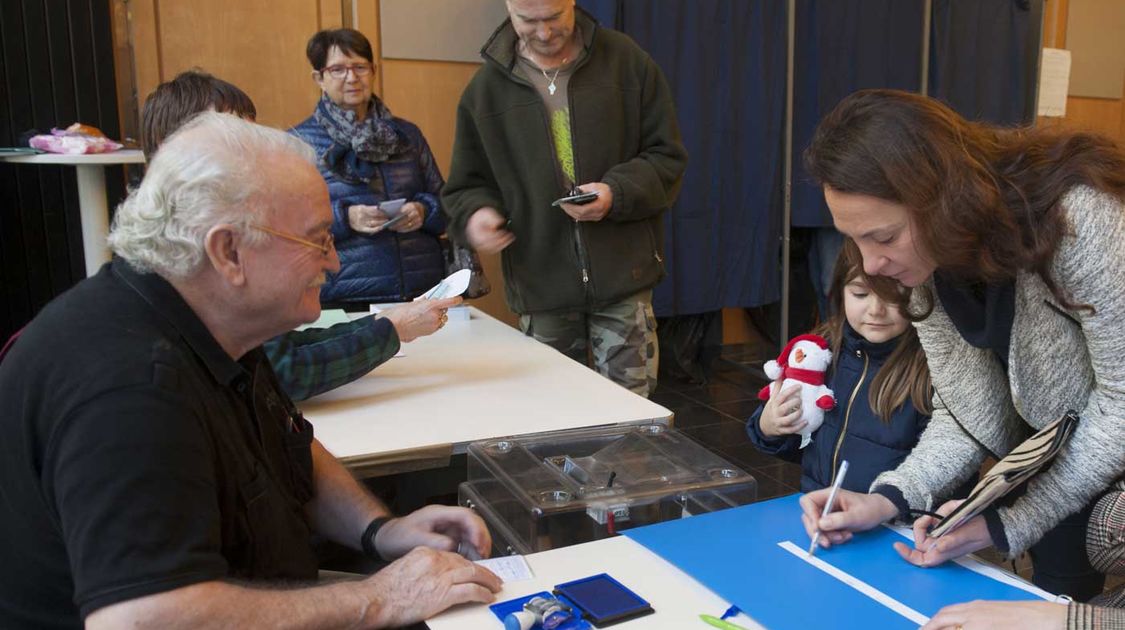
x=455, y=284
x=508, y=568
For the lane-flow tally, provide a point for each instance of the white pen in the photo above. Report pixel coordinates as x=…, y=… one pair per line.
x=831, y=500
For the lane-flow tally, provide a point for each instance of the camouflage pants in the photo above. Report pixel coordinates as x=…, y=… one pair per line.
x=621, y=339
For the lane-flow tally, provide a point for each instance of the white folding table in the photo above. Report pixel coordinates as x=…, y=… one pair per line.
x=472, y=380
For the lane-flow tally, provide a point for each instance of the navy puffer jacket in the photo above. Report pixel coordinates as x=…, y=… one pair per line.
x=389, y=266
x=870, y=445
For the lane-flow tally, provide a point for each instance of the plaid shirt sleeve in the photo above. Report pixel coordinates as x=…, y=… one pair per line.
x=1105, y=543
x=1091, y=617
x=312, y=361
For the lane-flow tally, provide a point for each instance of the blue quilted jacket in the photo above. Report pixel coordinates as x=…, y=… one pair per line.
x=389, y=266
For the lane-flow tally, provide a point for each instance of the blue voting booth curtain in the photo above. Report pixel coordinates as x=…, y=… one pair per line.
x=984, y=58
x=606, y=12
x=725, y=62
x=842, y=47
x=983, y=62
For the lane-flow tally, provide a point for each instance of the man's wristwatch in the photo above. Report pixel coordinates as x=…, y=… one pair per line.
x=367, y=542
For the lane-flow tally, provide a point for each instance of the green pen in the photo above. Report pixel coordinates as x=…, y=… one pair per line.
x=723, y=624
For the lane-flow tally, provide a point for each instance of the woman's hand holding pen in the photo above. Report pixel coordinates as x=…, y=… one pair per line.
x=782, y=414
x=856, y=512
x=929, y=552
x=859, y=512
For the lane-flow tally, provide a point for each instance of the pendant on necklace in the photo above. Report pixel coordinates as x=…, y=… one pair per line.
x=551, y=86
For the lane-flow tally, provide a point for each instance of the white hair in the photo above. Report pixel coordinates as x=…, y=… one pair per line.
x=207, y=173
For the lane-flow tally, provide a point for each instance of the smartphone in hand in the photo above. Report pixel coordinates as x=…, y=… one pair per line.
x=393, y=222
x=577, y=197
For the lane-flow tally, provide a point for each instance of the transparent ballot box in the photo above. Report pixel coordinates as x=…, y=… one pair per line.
x=550, y=490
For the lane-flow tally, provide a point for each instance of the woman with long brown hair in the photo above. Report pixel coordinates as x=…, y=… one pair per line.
x=1011, y=243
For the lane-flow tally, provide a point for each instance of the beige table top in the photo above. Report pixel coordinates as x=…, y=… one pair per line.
x=472, y=380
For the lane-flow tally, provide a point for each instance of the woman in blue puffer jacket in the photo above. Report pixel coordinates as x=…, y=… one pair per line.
x=370, y=159
x=878, y=375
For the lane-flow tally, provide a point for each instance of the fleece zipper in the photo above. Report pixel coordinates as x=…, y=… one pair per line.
x=579, y=244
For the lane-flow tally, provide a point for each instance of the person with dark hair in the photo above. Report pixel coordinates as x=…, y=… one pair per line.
x=878, y=374
x=563, y=106
x=312, y=361
x=372, y=160
x=173, y=102
x=1009, y=241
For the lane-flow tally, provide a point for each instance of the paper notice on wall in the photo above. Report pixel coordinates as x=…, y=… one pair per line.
x=1054, y=79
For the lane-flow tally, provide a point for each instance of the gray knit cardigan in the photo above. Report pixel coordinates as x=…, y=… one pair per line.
x=1058, y=360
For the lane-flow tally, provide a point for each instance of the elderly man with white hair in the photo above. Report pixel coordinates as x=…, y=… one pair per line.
x=153, y=473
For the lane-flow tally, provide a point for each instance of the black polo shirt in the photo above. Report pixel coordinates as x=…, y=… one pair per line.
x=138, y=457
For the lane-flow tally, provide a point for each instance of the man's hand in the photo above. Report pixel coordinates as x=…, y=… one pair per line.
x=439, y=527
x=424, y=583
x=857, y=512
x=415, y=587
x=982, y=615
x=486, y=231
x=782, y=413
x=929, y=552
x=366, y=219
x=596, y=209
x=420, y=318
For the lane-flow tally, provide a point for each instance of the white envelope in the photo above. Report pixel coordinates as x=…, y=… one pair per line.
x=456, y=284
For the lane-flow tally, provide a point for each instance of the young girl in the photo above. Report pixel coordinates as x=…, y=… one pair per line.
x=879, y=377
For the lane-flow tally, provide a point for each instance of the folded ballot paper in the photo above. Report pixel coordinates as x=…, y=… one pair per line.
x=453, y=285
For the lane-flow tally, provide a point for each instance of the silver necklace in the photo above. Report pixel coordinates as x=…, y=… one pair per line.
x=551, y=86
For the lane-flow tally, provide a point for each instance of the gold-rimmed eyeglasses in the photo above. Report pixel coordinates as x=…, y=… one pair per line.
x=341, y=71
x=324, y=247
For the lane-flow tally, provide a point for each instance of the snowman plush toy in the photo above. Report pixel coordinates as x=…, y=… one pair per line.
x=804, y=361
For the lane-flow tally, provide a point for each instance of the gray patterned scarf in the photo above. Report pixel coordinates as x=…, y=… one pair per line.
x=369, y=141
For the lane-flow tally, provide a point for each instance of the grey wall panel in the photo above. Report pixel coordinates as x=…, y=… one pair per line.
x=1094, y=31
x=438, y=30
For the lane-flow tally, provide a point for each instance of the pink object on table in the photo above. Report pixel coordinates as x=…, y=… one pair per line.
x=72, y=143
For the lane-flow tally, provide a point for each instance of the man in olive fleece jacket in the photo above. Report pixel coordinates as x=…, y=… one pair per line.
x=559, y=103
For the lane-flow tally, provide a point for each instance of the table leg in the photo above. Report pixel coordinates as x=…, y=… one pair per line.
x=95, y=215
